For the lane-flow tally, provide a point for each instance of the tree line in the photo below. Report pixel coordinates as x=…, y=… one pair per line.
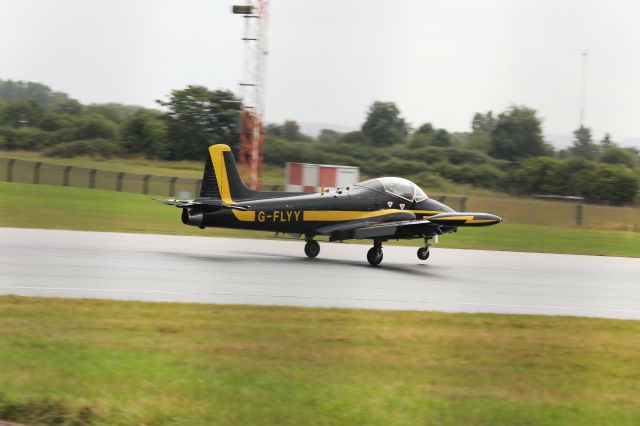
x=504, y=151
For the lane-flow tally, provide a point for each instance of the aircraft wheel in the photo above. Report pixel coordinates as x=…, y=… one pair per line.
x=423, y=253
x=312, y=248
x=374, y=256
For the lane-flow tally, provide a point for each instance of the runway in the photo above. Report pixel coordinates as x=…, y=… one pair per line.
x=105, y=265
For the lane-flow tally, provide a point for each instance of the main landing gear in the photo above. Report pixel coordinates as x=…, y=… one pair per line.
x=423, y=252
x=374, y=255
x=312, y=248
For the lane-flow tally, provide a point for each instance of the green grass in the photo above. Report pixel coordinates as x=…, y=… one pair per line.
x=40, y=206
x=177, y=364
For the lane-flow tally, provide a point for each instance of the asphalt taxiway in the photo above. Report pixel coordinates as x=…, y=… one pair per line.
x=35, y=262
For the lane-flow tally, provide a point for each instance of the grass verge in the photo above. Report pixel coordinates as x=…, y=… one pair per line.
x=144, y=363
x=40, y=206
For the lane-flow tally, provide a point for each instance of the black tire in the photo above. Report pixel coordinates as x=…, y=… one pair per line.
x=374, y=256
x=312, y=249
x=423, y=253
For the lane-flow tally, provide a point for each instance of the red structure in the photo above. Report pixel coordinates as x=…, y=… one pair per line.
x=306, y=177
x=255, y=15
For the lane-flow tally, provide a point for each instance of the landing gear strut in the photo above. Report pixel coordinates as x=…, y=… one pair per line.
x=312, y=248
x=423, y=252
x=374, y=255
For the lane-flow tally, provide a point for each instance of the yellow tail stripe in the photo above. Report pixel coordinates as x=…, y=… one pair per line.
x=217, y=159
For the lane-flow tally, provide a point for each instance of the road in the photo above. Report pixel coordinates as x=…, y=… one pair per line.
x=276, y=272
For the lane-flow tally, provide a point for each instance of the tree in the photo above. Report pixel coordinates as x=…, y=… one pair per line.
x=196, y=119
x=383, y=125
x=606, y=141
x=422, y=137
x=583, y=145
x=479, y=141
x=23, y=113
x=613, y=154
x=273, y=129
x=612, y=183
x=67, y=106
x=355, y=138
x=145, y=132
x=291, y=131
x=3, y=106
x=441, y=138
x=482, y=126
x=484, y=123
x=517, y=135
x=88, y=127
x=328, y=135
x=12, y=90
x=425, y=129
x=113, y=111
x=52, y=121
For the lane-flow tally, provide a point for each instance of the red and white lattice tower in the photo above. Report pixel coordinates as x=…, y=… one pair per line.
x=255, y=16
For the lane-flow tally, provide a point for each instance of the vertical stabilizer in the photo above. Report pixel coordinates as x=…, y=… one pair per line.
x=221, y=178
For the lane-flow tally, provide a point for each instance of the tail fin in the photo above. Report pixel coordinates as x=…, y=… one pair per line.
x=221, y=178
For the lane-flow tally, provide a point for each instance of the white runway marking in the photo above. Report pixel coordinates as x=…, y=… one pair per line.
x=220, y=270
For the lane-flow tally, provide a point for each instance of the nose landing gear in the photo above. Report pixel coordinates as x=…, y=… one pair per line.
x=423, y=252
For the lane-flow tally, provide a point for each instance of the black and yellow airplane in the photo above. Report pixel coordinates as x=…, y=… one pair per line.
x=377, y=209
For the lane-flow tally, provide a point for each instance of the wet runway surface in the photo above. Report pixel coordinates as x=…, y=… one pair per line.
x=105, y=265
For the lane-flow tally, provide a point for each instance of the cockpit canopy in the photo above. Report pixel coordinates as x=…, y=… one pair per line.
x=399, y=187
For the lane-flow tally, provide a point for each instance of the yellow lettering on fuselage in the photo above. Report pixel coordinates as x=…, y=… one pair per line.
x=281, y=216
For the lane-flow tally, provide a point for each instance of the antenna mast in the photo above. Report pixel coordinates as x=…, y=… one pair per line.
x=255, y=14
x=583, y=87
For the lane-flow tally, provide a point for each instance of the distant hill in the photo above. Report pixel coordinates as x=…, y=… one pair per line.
x=565, y=141
x=630, y=142
x=313, y=129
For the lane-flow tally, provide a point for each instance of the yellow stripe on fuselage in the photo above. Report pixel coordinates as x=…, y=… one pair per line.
x=340, y=215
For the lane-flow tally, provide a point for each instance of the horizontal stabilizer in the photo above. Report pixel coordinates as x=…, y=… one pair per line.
x=465, y=219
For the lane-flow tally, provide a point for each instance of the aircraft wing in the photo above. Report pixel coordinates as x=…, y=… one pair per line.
x=213, y=203
x=389, y=229
x=408, y=228
x=371, y=229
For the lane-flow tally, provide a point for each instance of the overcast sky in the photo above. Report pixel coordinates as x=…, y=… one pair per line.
x=440, y=61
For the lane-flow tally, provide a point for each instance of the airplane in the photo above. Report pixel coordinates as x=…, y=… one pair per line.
x=379, y=209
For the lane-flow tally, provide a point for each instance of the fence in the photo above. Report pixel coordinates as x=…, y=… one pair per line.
x=548, y=212
x=523, y=210
x=24, y=171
